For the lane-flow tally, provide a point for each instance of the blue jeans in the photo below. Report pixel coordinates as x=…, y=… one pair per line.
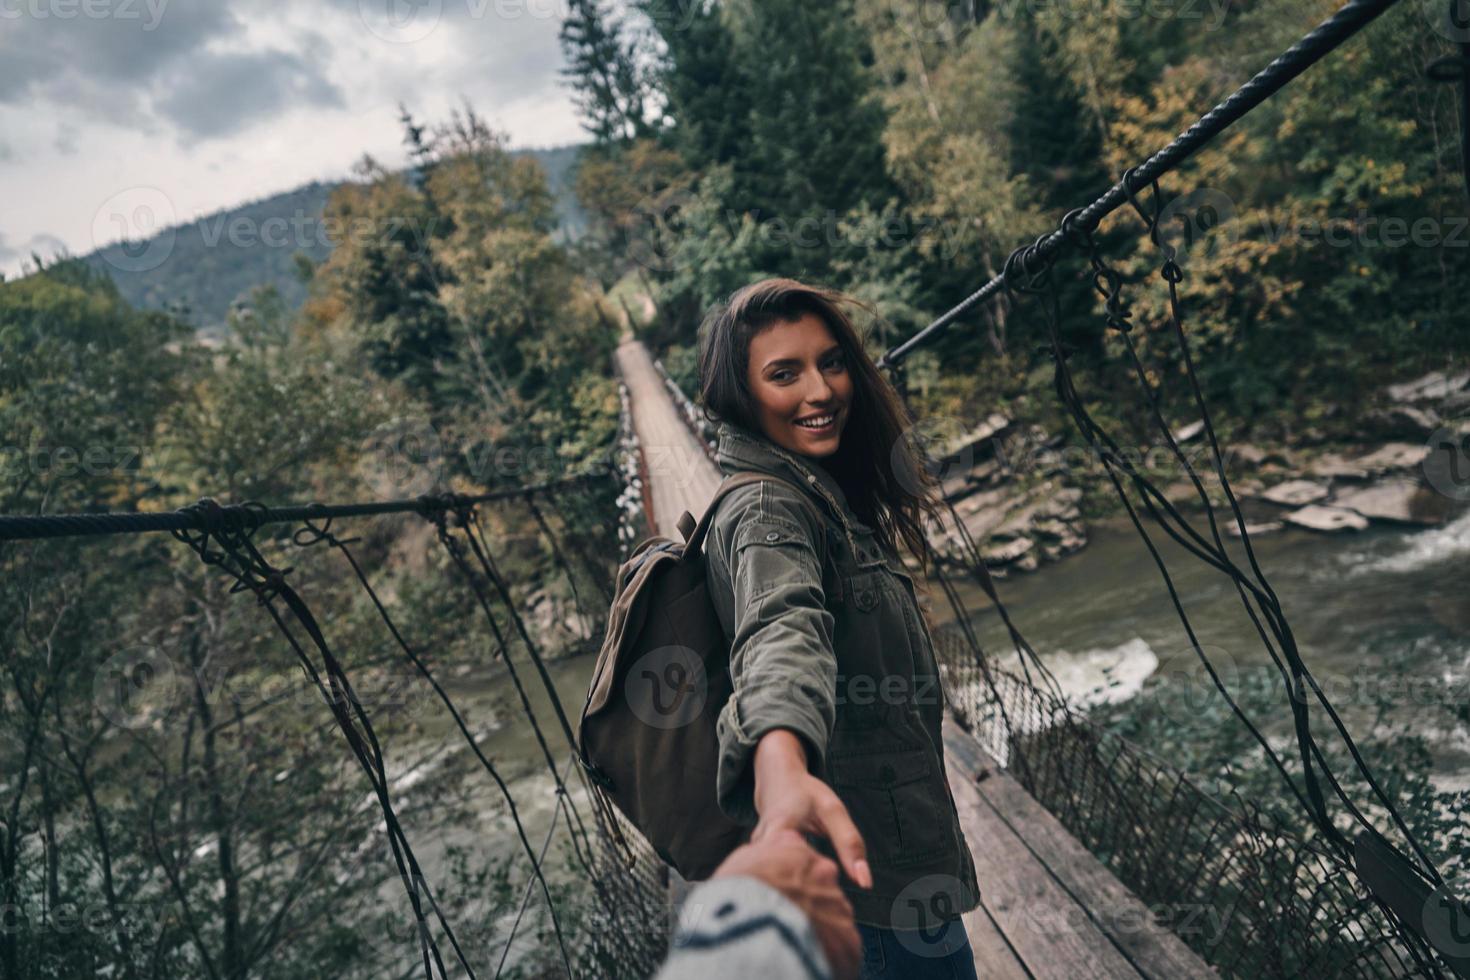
x=942, y=953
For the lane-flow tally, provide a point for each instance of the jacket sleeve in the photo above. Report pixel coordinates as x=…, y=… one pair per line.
x=765, y=556
x=739, y=928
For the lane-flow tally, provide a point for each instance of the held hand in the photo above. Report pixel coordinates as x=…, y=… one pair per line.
x=787, y=797
x=785, y=862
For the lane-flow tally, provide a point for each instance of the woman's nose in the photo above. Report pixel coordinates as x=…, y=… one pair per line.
x=818, y=391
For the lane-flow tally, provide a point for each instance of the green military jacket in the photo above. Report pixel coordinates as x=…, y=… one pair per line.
x=827, y=640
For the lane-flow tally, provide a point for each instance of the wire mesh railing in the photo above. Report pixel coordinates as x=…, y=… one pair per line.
x=1252, y=897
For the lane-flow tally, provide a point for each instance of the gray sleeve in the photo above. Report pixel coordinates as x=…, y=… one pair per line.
x=740, y=928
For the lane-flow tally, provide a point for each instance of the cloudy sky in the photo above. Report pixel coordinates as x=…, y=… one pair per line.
x=188, y=106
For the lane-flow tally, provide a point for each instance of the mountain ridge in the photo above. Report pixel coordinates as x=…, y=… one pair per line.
x=200, y=268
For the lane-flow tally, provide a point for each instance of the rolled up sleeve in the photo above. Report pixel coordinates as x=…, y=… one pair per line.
x=783, y=666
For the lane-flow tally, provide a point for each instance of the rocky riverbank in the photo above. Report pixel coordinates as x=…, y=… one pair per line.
x=1024, y=496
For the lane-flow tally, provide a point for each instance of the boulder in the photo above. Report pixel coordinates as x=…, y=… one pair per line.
x=1337, y=467
x=1317, y=517
x=1180, y=492
x=984, y=472
x=1393, y=456
x=973, y=440
x=1432, y=386
x=1403, y=501
x=1295, y=493
x=1456, y=403
x=1402, y=421
x=956, y=486
x=1004, y=554
x=1061, y=503
x=1253, y=529
x=1246, y=454
x=985, y=509
x=1191, y=431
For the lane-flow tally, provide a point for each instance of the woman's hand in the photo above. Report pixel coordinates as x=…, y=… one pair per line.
x=789, y=797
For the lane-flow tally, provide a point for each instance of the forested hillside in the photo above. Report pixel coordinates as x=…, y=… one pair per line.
x=200, y=269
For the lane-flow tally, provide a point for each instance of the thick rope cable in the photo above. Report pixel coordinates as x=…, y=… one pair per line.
x=1173, y=275
x=563, y=564
x=1455, y=69
x=1306, y=52
x=456, y=552
x=312, y=534
x=250, y=517
x=236, y=554
x=1039, y=282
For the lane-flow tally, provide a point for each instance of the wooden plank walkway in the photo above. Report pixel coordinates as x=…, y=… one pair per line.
x=680, y=475
x=1048, y=909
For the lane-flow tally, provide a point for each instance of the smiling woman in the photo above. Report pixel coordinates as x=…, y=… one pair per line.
x=833, y=724
x=802, y=388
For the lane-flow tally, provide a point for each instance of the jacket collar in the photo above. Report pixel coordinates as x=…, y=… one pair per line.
x=738, y=448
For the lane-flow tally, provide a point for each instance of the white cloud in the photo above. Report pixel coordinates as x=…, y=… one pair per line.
x=225, y=101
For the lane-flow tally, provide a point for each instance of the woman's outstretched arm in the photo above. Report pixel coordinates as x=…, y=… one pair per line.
x=763, y=553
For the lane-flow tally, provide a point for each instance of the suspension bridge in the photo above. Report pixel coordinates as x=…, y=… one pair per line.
x=1088, y=850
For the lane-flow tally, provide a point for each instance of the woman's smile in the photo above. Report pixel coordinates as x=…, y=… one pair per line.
x=819, y=426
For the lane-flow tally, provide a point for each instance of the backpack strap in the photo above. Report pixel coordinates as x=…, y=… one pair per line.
x=694, y=540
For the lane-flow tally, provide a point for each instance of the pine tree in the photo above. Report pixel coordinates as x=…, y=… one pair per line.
x=611, y=88
x=815, y=127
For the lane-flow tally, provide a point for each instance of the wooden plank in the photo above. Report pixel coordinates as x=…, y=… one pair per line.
x=1125, y=924
x=1050, y=933
x=994, y=958
x=680, y=475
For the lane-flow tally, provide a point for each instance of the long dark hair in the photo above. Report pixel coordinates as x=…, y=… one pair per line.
x=880, y=471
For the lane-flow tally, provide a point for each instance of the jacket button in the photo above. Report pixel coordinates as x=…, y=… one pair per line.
x=867, y=599
x=772, y=535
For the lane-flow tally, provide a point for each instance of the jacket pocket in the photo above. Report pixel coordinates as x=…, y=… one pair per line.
x=893, y=791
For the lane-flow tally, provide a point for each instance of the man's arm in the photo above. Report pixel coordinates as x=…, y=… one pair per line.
x=773, y=909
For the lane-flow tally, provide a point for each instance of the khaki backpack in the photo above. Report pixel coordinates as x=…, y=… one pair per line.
x=647, y=739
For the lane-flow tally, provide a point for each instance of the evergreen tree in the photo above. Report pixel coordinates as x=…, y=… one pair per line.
x=816, y=127
x=702, y=81
x=610, y=86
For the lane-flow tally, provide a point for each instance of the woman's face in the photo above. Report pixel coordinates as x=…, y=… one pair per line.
x=797, y=374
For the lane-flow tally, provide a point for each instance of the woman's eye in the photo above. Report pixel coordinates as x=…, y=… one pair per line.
x=837, y=363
